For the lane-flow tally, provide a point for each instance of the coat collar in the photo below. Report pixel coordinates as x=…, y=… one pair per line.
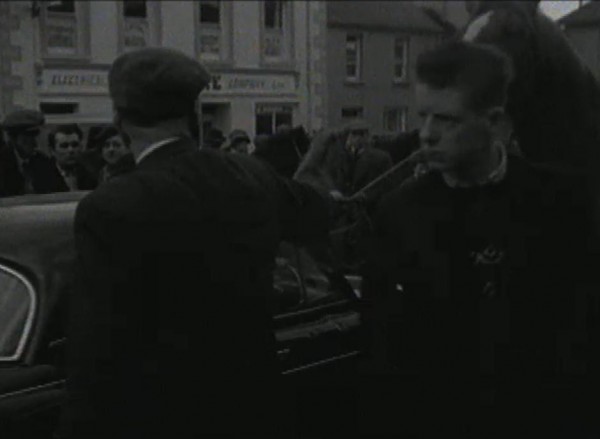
x=166, y=152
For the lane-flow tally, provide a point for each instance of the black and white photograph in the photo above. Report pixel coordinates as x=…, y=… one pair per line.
x=299, y=219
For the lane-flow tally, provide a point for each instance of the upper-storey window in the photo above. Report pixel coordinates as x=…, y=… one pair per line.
x=139, y=24
x=65, y=29
x=276, y=31
x=400, y=59
x=353, y=57
x=214, y=19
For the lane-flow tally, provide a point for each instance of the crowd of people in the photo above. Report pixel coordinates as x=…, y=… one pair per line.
x=479, y=302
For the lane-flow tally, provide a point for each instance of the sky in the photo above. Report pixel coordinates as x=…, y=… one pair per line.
x=558, y=8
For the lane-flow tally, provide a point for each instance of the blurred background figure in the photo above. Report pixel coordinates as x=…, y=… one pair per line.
x=117, y=156
x=356, y=162
x=239, y=142
x=213, y=138
x=284, y=149
x=22, y=166
x=66, y=147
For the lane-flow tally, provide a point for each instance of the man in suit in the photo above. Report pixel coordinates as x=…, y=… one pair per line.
x=358, y=162
x=22, y=166
x=68, y=173
x=171, y=328
x=478, y=293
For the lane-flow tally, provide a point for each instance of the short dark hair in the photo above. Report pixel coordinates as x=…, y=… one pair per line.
x=71, y=128
x=482, y=72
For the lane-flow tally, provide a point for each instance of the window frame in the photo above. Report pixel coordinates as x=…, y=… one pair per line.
x=406, y=48
x=28, y=327
x=403, y=119
x=258, y=105
x=152, y=22
x=225, y=32
x=82, y=32
x=287, y=35
x=359, y=57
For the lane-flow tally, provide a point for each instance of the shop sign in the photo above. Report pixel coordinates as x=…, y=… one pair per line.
x=76, y=81
x=249, y=84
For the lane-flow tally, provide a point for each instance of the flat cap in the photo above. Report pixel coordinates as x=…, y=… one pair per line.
x=23, y=120
x=156, y=81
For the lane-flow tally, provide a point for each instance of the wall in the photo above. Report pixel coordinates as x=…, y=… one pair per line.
x=377, y=89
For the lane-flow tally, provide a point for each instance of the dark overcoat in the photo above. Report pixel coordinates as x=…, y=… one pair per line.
x=481, y=305
x=44, y=175
x=171, y=326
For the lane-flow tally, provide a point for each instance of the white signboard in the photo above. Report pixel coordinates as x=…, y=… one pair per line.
x=75, y=81
x=251, y=84
x=84, y=81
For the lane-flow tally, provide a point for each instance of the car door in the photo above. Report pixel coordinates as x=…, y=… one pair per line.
x=31, y=379
x=318, y=339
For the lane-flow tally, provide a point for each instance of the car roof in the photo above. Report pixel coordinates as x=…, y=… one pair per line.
x=37, y=230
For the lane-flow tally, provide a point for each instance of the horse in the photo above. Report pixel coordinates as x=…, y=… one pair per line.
x=554, y=100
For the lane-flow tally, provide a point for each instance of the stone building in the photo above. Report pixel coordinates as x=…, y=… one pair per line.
x=372, y=47
x=266, y=57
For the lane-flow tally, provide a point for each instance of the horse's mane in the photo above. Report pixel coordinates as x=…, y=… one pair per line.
x=554, y=99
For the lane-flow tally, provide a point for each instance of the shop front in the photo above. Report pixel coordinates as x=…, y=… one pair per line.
x=74, y=95
x=256, y=102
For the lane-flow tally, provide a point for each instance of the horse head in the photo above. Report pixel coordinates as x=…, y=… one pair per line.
x=554, y=100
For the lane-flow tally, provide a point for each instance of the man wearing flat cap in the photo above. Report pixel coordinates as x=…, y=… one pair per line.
x=171, y=331
x=22, y=166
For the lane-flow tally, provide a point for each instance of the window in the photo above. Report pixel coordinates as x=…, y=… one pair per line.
x=349, y=113
x=269, y=117
x=276, y=31
x=59, y=107
x=400, y=59
x=139, y=26
x=213, y=37
x=17, y=308
x=394, y=120
x=353, y=57
x=64, y=29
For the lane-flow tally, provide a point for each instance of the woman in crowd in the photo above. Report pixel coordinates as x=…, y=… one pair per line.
x=116, y=154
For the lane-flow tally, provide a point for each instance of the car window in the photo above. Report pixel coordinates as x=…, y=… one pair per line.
x=302, y=281
x=17, y=303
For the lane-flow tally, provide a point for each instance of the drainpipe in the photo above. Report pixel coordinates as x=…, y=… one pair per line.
x=309, y=102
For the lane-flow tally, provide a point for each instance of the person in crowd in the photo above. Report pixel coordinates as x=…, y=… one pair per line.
x=22, y=166
x=116, y=154
x=65, y=144
x=239, y=142
x=284, y=149
x=213, y=138
x=477, y=285
x=91, y=157
x=357, y=163
x=164, y=340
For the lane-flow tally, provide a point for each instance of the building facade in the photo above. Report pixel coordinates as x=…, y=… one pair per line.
x=265, y=57
x=372, y=49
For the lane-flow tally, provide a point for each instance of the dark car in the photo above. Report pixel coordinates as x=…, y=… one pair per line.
x=316, y=320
